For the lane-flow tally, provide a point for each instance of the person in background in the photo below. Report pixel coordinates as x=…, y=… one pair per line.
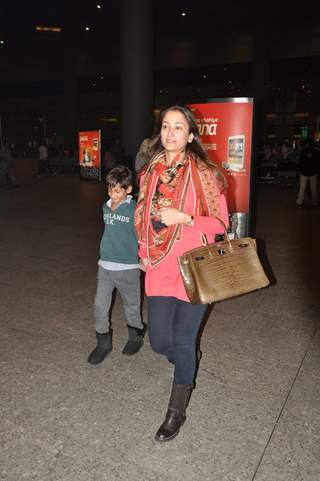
x=7, y=173
x=118, y=267
x=109, y=161
x=181, y=194
x=43, y=164
x=117, y=151
x=285, y=150
x=143, y=154
x=309, y=165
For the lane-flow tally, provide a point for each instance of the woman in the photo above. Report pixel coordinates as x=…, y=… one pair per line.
x=181, y=193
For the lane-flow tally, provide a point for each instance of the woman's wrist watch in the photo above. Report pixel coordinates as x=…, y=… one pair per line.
x=190, y=222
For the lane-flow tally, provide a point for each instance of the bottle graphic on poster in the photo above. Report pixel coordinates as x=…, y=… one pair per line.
x=235, y=159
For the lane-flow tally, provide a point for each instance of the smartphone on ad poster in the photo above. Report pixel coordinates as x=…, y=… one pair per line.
x=235, y=158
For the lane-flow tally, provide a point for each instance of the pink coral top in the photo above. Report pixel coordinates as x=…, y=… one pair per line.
x=165, y=279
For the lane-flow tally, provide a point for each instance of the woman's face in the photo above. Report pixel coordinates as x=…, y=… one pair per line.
x=175, y=132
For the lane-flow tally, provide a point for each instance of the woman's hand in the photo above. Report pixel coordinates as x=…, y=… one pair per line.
x=171, y=216
x=143, y=264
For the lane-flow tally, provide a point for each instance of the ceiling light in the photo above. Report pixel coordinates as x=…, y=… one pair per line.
x=46, y=28
x=109, y=119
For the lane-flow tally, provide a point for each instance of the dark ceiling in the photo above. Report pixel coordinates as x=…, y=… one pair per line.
x=28, y=55
x=20, y=17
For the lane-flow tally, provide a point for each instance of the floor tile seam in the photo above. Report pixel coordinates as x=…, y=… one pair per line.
x=285, y=402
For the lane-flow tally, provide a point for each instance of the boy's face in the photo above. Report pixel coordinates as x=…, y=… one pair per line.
x=118, y=194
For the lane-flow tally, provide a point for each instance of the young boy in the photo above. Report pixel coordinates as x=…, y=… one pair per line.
x=118, y=266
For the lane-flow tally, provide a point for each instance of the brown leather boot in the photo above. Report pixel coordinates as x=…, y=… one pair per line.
x=176, y=413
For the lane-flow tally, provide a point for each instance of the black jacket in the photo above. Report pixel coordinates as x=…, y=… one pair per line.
x=309, y=161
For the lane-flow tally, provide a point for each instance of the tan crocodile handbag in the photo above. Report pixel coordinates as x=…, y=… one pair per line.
x=219, y=271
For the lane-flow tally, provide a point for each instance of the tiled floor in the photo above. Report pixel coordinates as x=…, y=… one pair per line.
x=255, y=414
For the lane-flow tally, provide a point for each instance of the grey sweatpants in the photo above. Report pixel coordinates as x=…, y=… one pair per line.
x=128, y=284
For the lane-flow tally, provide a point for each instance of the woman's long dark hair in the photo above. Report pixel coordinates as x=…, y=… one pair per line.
x=195, y=147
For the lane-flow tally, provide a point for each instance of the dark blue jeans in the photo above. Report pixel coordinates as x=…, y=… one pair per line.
x=173, y=326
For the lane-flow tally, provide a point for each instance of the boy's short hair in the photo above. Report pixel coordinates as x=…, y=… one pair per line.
x=120, y=175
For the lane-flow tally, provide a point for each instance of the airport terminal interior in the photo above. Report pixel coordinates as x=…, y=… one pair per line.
x=254, y=415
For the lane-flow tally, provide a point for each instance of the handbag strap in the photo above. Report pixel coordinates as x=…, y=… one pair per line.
x=204, y=237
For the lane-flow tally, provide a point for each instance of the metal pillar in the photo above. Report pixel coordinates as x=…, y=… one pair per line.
x=136, y=52
x=70, y=54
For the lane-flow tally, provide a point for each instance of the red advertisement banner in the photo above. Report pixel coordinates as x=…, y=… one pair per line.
x=226, y=132
x=90, y=153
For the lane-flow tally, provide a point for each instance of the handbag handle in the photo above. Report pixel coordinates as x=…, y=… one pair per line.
x=206, y=243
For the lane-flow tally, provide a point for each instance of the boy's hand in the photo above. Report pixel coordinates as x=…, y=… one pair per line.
x=143, y=264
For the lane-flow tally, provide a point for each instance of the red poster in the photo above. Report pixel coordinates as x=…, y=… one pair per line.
x=226, y=132
x=90, y=154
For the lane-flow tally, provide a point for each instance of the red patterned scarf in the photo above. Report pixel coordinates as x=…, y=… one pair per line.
x=164, y=186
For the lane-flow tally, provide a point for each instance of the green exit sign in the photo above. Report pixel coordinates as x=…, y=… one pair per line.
x=304, y=131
